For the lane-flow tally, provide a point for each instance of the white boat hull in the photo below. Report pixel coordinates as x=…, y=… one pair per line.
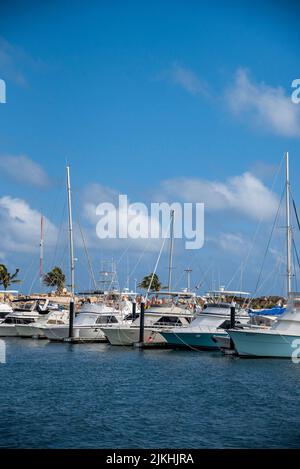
x=28, y=330
x=263, y=344
x=8, y=330
x=130, y=336
x=59, y=333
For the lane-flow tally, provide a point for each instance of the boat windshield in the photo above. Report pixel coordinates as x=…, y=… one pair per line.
x=106, y=320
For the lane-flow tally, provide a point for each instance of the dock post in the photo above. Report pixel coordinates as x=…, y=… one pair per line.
x=71, y=318
x=133, y=309
x=142, y=319
x=232, y=322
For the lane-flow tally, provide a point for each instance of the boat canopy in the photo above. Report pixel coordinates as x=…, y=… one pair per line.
x=276, y=311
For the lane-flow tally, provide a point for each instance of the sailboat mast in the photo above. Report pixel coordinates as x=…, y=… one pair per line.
x=41, y=246
x=288, y=229
x=71, y=243
x=171, y=250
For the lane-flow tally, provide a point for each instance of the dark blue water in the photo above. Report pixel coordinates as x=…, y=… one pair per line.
x=98, y=396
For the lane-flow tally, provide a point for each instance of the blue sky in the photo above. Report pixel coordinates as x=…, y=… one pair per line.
x=179, y=100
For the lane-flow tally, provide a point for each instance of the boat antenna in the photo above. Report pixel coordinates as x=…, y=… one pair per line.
x=188, y=278
x=41, y=246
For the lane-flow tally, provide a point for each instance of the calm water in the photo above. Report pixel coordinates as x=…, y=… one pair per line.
x=98, y=396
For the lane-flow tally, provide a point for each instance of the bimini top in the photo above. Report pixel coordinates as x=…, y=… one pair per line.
x=227, y=292
x=173, y=293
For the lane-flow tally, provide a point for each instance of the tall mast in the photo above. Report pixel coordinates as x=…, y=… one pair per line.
x=71, y=243
x=41, y=246
x=171, y=250
x=188, y=274
x=288, y=229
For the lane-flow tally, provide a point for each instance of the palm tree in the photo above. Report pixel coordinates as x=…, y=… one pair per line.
x=146, y=282
x=6, y=278
x=55, y=278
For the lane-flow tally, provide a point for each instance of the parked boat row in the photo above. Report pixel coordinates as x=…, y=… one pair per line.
x=226, y=321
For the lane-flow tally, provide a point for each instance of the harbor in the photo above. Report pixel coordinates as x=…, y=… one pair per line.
x=96, y=396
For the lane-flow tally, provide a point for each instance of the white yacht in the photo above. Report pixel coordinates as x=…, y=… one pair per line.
x=259, y=320
x=36, y=329
x=212, y=322
x=25, y=311
x=282, y=339
x=167, y=310
x=87, y=324
x=5, y=309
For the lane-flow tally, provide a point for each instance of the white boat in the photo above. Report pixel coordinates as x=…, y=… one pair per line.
x=212, y=322
x=260, y=321
x=37, y=328
x=5, y=309
x=87, y=324
x=162, y=314
x=25, y=311
x=282, y=339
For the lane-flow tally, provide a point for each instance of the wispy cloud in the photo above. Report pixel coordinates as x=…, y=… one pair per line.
x=244, y=194
x=12, y=60
x=187, y=79
x=20, y=226
x=95, y=194
x=266, y=106
x=23, y=169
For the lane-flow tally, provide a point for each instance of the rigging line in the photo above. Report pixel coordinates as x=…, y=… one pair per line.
x=269, y=241
x=296, y=253
x=204, y=275
x=33, y=282
x=276, y=268
x=244, y=262
x=59, y=232
x=129, y=243
x=139, y=259
x=158, y=259
x=270, y=275
x=296, y=213
x=86, y=253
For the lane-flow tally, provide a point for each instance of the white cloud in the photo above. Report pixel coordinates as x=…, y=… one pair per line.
x=234, y=243
x=245, y=194
x=11, y=58
x=23, y=169
x=95, y=194
x=20, y=226
x=187, y=79
x=266, y=106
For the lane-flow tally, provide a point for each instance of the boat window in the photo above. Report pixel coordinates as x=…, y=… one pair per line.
x=25, y=320
x=106, y=320
x=217, y=305
x=129, y=317
x=9, y=321
x=168, y=320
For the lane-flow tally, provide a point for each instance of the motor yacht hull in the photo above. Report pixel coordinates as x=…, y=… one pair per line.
x=8, y=330
x=197, y=339
x=60, y=333
x=130, y=335
x=264, y=344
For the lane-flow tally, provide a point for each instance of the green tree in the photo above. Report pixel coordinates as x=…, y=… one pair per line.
x=55, y=278
x=155, y=284
x=6, y=278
